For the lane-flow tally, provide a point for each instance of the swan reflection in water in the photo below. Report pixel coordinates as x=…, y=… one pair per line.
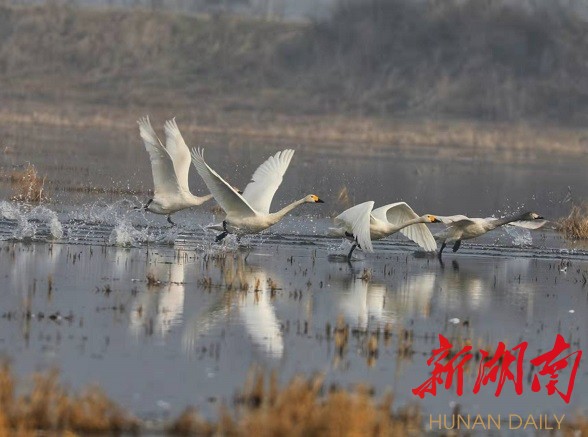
x=160, y=308
x=372, y=302
x=246, y=301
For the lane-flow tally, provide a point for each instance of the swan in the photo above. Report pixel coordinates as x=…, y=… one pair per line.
x=362, y=224
x=463, y=228
x=248, y=213
x=170, y=166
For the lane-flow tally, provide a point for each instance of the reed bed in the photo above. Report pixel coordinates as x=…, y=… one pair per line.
x=575, y=225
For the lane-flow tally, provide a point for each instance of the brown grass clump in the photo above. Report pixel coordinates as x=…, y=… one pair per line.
x=303, y=408
x=49, y=407
x=27, y=185
x=575, y=225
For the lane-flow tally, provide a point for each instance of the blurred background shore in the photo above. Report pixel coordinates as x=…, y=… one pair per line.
x=492, y=76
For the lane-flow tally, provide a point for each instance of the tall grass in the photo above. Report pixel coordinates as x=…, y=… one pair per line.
x=306, y=407
x=27, y=185
x=48, y=406
x=575, y=225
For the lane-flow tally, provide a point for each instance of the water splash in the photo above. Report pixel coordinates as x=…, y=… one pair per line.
x=101, y=212
x=37, y=222
x=520, y=236
x=125, y=234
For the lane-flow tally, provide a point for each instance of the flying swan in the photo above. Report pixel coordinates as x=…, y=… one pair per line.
x=170, y=166
x=463, y=228
x=361, y=224
x=248, y=213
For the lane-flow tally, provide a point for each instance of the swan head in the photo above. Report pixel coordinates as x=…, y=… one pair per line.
x=431, y=218
x=313, y=198
x=531, y=216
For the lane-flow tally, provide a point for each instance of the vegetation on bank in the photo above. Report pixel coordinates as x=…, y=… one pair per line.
x=492, y=60
x=302, y=407
x=575, y=225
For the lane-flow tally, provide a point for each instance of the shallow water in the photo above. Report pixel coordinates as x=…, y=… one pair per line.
x=76, y=295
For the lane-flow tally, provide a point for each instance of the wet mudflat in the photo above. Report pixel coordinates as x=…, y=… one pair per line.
x=162, y=318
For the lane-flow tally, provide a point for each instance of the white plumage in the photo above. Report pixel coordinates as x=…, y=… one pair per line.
x=464, y=228
x=170, y=165
x=249, y=213
x=362, y=224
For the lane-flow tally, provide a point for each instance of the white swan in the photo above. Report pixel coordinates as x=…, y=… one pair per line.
x=361, y=224
x=170, y=166
x=463, y=228
x=249, y=213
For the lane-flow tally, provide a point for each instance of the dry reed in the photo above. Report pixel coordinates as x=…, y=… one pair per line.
x=304, y=407
x=27, y=185
x=575, y=225
x=49, y=407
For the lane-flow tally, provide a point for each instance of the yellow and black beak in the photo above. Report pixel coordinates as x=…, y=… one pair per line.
x=319, y=200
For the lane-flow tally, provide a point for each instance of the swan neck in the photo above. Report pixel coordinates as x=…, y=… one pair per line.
x=200, y=200
x=396, y=228
x=278, y=215
x=506, y=220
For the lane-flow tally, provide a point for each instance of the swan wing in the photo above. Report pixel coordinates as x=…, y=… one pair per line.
x=528, y=224
x=165, y=181
x=400, y=213
x=223, y=193
x=266, y=181
x=451, y=219
x=357, y=218
x=178, y=150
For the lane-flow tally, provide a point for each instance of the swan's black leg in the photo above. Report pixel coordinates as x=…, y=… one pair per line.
x=170, y=220
x=441, y=250
x=351, y=251
x=220, y=237
x=355, y=244
x=456, y=245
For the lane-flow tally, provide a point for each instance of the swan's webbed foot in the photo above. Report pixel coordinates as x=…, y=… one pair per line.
x=456, y=245
x=170, y=220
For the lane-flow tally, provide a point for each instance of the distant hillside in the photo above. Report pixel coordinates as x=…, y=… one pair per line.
x=490, y=59
x=485, y=60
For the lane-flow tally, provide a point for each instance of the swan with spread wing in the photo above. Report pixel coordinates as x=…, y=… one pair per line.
x=461, y=227
x=362, y=224
x=170, y=165
x=249, y=213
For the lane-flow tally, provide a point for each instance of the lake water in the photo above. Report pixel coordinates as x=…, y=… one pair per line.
x=75, y=293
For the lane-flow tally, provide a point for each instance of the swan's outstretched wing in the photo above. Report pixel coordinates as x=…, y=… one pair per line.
x=398, y=214
x=528, y=224
x=165, y=181
x=451, y=219
x=266, y=180
x=357, y=218
x=223, y=193
x=178, y=150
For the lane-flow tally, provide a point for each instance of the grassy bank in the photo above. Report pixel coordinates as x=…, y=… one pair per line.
x=492, y=61
x=380, y=72
x=302, y=407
